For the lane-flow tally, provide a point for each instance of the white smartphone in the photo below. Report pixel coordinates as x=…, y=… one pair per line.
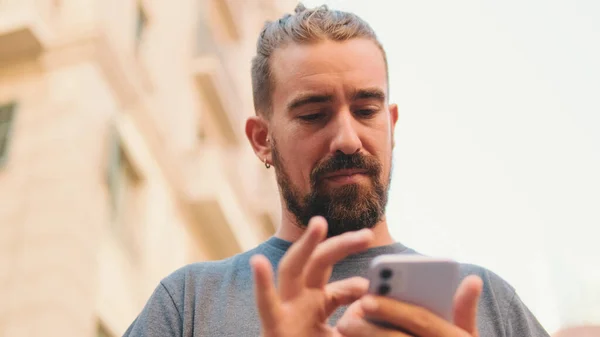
x=423, y=281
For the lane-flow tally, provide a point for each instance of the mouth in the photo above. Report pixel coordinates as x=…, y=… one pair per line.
x=346, y=176
x=345, y=173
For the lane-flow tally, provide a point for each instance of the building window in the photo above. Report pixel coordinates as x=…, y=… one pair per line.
x=125, y=188
x=7, y=112
x=141, y=24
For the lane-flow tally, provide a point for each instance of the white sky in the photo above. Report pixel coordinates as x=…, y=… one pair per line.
x=497, y=158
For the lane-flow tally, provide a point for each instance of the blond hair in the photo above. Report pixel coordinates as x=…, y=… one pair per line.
x=304, y=27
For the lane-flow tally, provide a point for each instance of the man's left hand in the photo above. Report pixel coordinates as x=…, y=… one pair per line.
x=416, y=320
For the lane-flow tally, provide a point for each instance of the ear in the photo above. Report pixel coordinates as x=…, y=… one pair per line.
x=393, y=119
x=257, y=131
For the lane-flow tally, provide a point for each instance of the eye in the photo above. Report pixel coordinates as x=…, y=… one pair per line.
x=312, y=117
x=365, y=112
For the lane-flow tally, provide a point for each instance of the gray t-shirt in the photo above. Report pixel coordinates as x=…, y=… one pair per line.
x=217, y=298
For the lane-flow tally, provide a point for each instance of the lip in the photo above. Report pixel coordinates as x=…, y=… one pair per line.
x=344, y=173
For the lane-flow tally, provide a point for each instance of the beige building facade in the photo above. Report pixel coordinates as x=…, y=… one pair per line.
x=122, y=153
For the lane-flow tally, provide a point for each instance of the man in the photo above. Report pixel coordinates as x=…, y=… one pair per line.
x=325, y=125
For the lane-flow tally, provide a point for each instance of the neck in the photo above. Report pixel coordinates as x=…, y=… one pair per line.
x=289, y=231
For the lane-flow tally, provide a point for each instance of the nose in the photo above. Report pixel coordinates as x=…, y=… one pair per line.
x=345, y=139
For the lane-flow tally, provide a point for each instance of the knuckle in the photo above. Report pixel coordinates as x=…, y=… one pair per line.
x=319, y=260
x=421, y=320
x=286, y=267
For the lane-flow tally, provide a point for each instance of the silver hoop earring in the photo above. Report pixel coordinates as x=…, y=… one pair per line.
x=267, y=165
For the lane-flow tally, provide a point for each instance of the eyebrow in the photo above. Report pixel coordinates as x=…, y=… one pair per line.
x=305, y=99
x=358, y=94
x=368, y=93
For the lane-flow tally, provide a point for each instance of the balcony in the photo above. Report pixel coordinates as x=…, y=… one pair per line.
x=216, y=86
x=24, y=29
x=221, y=218
x=228, y=13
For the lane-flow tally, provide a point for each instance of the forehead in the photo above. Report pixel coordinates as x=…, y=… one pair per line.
x=327, y=66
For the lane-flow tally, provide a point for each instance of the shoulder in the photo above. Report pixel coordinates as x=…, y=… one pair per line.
x=495, y=301
x=489, y=277
x=169, y=310
x=495, y=288
x=494, y=285
x=500, y=307
x=206, y=277
x=199, y=270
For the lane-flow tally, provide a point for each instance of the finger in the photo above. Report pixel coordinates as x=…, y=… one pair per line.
x=292, y=265
x=465, y=304
x=354, y=311
x=352, y=326
x=318, y=269
x=412, y=318
x=267, y=300
x=344, y=292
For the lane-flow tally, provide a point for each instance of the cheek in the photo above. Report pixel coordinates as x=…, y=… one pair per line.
x=382, y=151
x=305, y=160
x=298, y=159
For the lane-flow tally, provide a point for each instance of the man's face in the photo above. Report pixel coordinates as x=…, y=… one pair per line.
x=332, y=132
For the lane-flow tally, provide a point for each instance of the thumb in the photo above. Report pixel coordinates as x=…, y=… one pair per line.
x=465, y=304
x=344, y=292
x=353, y=313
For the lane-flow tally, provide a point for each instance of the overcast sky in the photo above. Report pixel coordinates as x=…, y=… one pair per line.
x=497, y=158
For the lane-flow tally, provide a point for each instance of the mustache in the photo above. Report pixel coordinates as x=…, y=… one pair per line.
x=341, y=161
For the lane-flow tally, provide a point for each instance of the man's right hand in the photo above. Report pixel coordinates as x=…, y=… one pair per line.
x=303, y=301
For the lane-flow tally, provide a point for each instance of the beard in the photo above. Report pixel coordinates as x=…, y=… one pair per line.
x=349, y=207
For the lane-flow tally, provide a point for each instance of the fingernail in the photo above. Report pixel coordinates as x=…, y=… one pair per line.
x=317, y=218
x=363, y=232
x=369, y=303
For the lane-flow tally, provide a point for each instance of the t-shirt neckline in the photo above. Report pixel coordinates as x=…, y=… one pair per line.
x=281, y=246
